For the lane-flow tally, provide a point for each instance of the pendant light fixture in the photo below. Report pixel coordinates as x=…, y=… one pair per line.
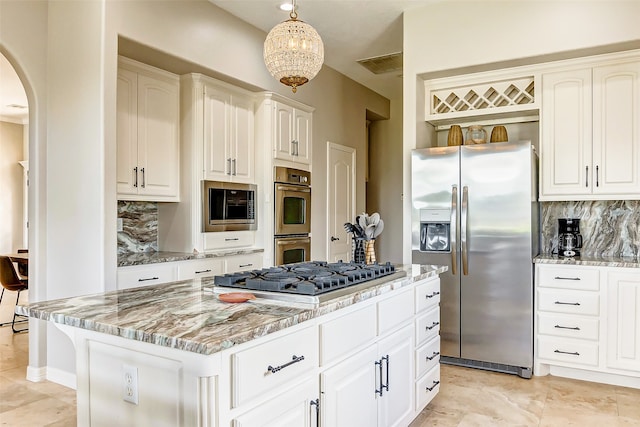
x=293, y=51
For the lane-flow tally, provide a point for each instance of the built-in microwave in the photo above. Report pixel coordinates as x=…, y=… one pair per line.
x=228, y=206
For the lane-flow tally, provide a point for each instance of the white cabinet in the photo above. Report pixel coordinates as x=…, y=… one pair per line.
x=590, y=145
x=395, y=402
x=147, y=133
x=623, y=347
x=228, y=134
x=198, y=268
x=243, y=262
x=292, y=139
x=145, y=275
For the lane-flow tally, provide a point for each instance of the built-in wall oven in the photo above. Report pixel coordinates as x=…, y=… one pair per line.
x=292, y=204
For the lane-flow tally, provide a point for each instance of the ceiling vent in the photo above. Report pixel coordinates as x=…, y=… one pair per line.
x=383, y=64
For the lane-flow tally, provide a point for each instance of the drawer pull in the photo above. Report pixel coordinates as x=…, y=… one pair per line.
x=231, y=239
x=435, y=383
x=204, y=271
x=566, y=278
x=434, y=355
x=575, y=353
x=294, y=359
x=147, y=279
x=432, y=295
x=573, y=328
x=245, y=265
x=567, y=303
x=433, y=325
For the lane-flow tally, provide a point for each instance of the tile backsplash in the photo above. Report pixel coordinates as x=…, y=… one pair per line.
x=140, y=227
x=608, y=227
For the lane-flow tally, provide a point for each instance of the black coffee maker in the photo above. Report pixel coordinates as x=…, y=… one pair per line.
x=569, y=237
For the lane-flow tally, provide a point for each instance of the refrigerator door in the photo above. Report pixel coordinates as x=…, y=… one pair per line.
x=434, y=190
x=496, y=245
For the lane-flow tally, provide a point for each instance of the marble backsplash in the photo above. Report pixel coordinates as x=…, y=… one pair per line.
x=609, y=228
x=140, y=227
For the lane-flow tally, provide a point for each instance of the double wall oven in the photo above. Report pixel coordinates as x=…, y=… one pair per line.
x=292, y=203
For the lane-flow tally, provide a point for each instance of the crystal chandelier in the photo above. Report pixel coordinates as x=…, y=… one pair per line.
x=293, y=51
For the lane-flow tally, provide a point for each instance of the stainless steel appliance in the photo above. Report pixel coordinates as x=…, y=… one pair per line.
x=308, y=282
x=292, y=216
x=228, y=206
x=569, y=237
x=474, y=209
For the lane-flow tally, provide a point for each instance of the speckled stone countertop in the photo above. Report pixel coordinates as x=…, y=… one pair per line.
x=140, y=258
x=596, y=261
x=187, y=315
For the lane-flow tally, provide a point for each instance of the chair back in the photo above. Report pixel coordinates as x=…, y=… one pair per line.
x=8, y=275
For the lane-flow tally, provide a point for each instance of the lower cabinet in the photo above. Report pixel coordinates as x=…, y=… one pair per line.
x=623, y=346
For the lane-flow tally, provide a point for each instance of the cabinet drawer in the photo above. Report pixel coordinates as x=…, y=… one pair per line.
x=427, y=357
x=340, y=336
x=263, y=368
x=199, y=268
x=427, y=387
x=245, y=262
x=427, y=294
x=145, y=275
x=569, y=302
x=568, y=326
x=568, y=350
x=394, y=311
x=427, y=326
x=569, y=277
x=228, y=239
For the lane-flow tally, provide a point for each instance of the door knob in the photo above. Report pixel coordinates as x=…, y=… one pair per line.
x=333, y=239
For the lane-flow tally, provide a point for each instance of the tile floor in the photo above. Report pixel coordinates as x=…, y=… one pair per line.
x=467, y=398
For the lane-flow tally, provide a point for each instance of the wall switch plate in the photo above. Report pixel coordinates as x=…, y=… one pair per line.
x=120, y=224
x=130, y=384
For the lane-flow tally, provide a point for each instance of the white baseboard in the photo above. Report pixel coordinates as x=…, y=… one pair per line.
x=54, y=375
x=598, y=377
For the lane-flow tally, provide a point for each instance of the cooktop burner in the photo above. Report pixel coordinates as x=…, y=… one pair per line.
x=305, y=278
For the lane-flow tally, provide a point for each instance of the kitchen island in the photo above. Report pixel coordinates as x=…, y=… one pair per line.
x=174, y=354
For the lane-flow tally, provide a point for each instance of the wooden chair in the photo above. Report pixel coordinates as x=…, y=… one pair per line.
x=11, y=281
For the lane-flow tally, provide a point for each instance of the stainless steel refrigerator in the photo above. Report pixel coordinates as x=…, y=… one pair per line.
x=474, y=209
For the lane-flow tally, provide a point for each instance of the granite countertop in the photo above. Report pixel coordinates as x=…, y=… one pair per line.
x=596, y=261
x=187, y=315
x=140, y=258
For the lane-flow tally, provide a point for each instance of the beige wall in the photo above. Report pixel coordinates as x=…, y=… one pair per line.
x=11, y=187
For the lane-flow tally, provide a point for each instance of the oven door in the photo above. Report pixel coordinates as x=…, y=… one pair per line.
x=292, y=209
x=289, y=250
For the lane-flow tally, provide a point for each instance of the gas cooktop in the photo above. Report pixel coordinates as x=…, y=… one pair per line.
x=309, y=282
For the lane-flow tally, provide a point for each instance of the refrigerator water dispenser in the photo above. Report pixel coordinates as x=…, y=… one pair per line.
x=435, y=225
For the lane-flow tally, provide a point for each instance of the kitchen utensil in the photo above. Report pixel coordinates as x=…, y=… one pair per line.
x=499, y=134
x=374, y=218
x=369, y=231
x=362, y=221
x=454, y=137
x=348, y=227
x=378, y=229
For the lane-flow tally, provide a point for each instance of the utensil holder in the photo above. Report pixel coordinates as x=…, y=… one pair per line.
x=370, y=252
x=357, y=250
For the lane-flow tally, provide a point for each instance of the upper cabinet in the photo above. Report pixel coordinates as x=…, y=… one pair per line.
x=590, y=145
x=288, y=124
x=228, y=134
x=147, y=133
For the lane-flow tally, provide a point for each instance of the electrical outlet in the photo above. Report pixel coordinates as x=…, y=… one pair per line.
x=130, y=384
x=120, y=224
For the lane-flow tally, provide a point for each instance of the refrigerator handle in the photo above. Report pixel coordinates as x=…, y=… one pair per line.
x=453, y=229
x=463, y=230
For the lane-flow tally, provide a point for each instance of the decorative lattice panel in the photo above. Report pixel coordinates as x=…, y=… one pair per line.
x=483, y=96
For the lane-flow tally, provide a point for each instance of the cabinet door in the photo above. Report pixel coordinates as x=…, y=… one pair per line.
x=616, y=129
x=158, y=139
x=242, y=143
x=292, y=408
x=217, y=134
x=302, y=126
x=566, y=134
x=349, y=391
x=395, y=406
x=284, y=134
x=623, y=338
x=127, y=132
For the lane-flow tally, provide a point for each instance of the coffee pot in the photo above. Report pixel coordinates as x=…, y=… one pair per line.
x=569, y=237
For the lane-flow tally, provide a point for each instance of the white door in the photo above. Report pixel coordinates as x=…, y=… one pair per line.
x=341, y=177
x=395, y=406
